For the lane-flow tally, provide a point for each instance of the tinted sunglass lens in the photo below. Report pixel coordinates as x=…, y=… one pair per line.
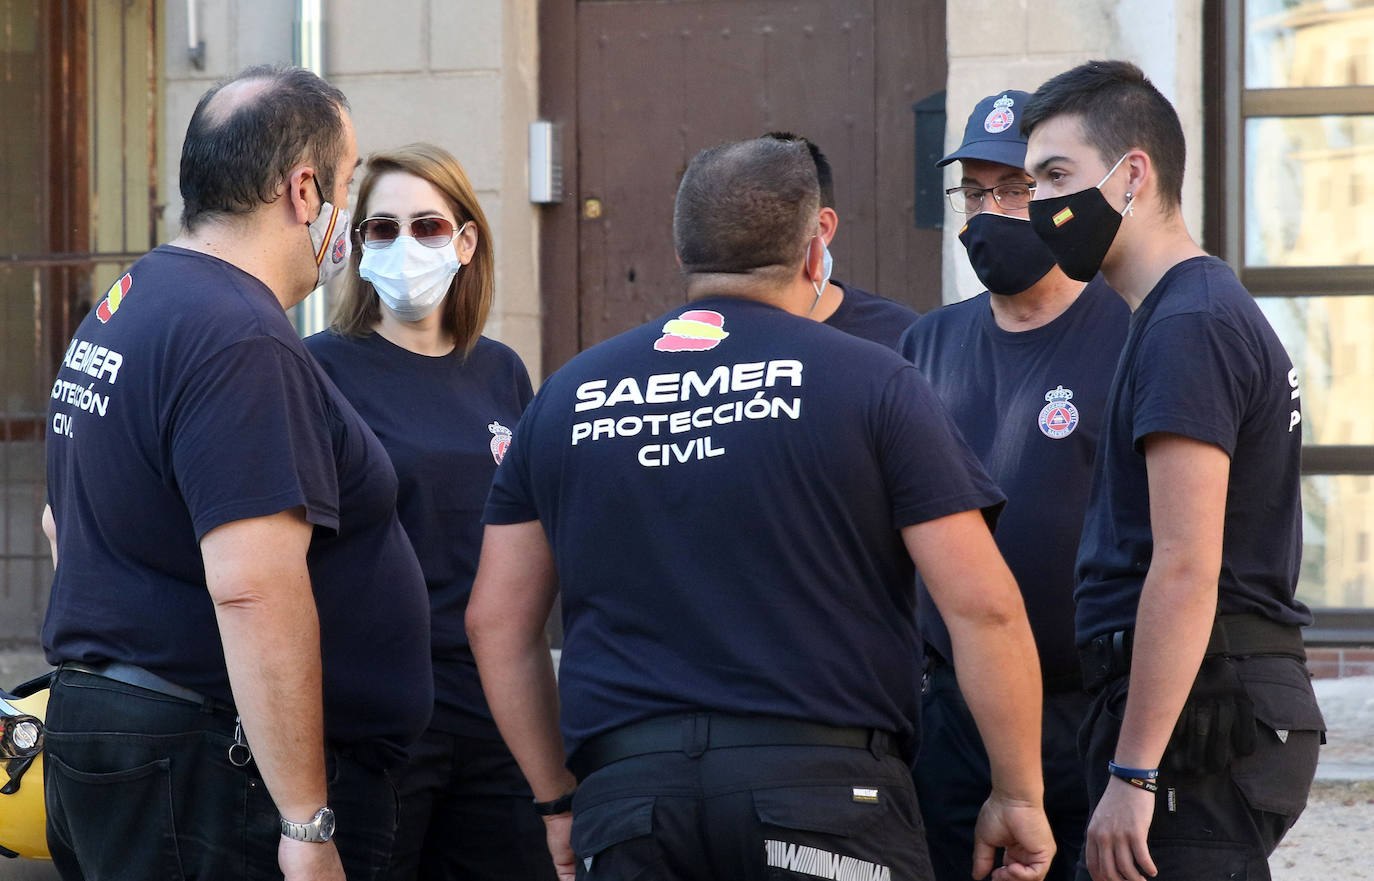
x=378, y=232
x=432, y=232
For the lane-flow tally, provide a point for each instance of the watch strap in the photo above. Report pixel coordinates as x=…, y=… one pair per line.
x=560, y=805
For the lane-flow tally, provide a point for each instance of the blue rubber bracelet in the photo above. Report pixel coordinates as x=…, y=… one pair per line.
x=1143, y=773
x=1141, y=778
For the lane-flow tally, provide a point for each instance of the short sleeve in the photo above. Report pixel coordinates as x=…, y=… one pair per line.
x=1191, y=376
x=511, y=499
x=909, y=343
x=250, y=437
x=928, y=468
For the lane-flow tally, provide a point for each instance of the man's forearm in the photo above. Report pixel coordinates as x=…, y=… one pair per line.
x=1173, y=623
x=272, y=651
x=518, y=679
x=999, y=674
x=256, y=573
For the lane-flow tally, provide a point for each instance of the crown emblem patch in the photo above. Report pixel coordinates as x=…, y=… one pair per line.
x=500, y=440
x=1058, y=418
x=1001, y=117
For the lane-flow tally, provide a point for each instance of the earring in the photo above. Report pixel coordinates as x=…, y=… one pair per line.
x=1130, y=203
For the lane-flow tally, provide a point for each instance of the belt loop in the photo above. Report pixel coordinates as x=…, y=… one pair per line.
x=1219, y=643
x=696, y=734
x=878, y=744
x=1119, y=659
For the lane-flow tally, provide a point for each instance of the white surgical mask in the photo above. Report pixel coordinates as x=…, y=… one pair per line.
x=410, y=278
x=827, y=264
x=329, y=234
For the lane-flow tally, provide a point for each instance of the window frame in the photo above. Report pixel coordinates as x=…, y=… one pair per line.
x=1229, y=104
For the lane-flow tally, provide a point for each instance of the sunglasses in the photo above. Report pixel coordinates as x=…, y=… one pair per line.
x=432, y=232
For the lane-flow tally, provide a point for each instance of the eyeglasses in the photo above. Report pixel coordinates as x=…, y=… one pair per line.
x=969, y=200
x=380, y=232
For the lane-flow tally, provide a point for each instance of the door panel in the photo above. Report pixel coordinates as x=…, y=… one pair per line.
x=658, y=82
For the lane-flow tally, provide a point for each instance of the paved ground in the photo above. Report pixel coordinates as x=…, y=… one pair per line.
x=1332, y=839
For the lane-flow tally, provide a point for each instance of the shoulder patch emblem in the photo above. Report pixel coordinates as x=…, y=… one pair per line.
x=695, y=330
x=500, y=441
x=113, y=297
x=1058, y=418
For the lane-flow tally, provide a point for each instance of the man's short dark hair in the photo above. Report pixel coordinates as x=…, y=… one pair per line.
x=234, y=161
x=1119, y=109
x=824, y=176
x=746, y=206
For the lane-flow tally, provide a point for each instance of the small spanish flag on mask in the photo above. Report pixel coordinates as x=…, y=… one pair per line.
x=1063, y=217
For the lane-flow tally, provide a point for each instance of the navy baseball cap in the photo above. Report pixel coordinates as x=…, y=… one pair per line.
x=993, y=132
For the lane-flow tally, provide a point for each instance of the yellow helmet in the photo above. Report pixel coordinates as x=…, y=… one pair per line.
x=23, y=818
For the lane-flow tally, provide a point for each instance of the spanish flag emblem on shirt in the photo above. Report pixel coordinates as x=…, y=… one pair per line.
x=1063, y=217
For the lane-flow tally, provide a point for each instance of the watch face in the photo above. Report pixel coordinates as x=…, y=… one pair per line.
x=326, y=824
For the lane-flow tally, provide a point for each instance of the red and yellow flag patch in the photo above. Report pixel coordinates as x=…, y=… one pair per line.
x=113, y=297
x=1063, y=217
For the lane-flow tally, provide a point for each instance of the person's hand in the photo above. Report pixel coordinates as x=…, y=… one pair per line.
x=309, y=860
x=1115, y=843
x=558, y=834
x=1020, y=827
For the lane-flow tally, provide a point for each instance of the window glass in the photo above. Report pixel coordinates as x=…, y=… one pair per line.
x=1328, y=340
x=1308, y=43
x=1309, y=191
x=1338, y=515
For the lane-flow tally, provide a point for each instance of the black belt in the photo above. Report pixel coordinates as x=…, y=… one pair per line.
x=694, y=733
x=130, y=674
x=1108, y=656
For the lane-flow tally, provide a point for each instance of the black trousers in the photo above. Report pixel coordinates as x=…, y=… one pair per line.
x=1223, y=825
x=466, y=815
x=953, y=778
x=139, y=786
x=749, y=813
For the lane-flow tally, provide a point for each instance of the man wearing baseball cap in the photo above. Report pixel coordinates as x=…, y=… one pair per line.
x=1023, y=369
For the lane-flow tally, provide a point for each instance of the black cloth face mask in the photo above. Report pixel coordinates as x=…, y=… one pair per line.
x=1079, y=228
x=1005, y=252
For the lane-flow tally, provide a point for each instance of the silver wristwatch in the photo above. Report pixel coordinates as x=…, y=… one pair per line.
x=319, y=829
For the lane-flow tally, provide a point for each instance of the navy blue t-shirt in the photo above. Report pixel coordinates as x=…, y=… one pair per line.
x=446, y=422
x=724, y=490
x=871, y=317
x=1200, y=361
x=1030, y=404
x=186, y=401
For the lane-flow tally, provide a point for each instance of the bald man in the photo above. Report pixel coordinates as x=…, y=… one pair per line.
x=234, y=600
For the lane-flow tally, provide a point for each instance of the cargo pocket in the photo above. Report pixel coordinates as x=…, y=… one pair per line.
x=94, y=802
x=839, y=831
x=1277, y=776
x=614, y=839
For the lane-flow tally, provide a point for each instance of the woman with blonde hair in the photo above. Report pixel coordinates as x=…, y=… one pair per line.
x=405, y=347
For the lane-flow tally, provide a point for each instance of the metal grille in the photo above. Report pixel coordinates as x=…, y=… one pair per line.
x=77, y=205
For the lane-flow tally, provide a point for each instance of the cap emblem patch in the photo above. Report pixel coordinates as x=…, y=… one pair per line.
x=1001, y=117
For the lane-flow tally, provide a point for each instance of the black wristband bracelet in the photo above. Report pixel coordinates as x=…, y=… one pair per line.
x=560, y=805
x=1141, y=778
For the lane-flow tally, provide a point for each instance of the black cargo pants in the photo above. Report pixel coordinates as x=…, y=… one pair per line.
x=750, y=812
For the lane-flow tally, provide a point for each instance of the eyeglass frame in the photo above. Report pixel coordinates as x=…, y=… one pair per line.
x=403, y=227
x=983, y=193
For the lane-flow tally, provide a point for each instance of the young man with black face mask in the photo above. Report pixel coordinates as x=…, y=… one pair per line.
x=1023, y=369
x=1201, y=742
